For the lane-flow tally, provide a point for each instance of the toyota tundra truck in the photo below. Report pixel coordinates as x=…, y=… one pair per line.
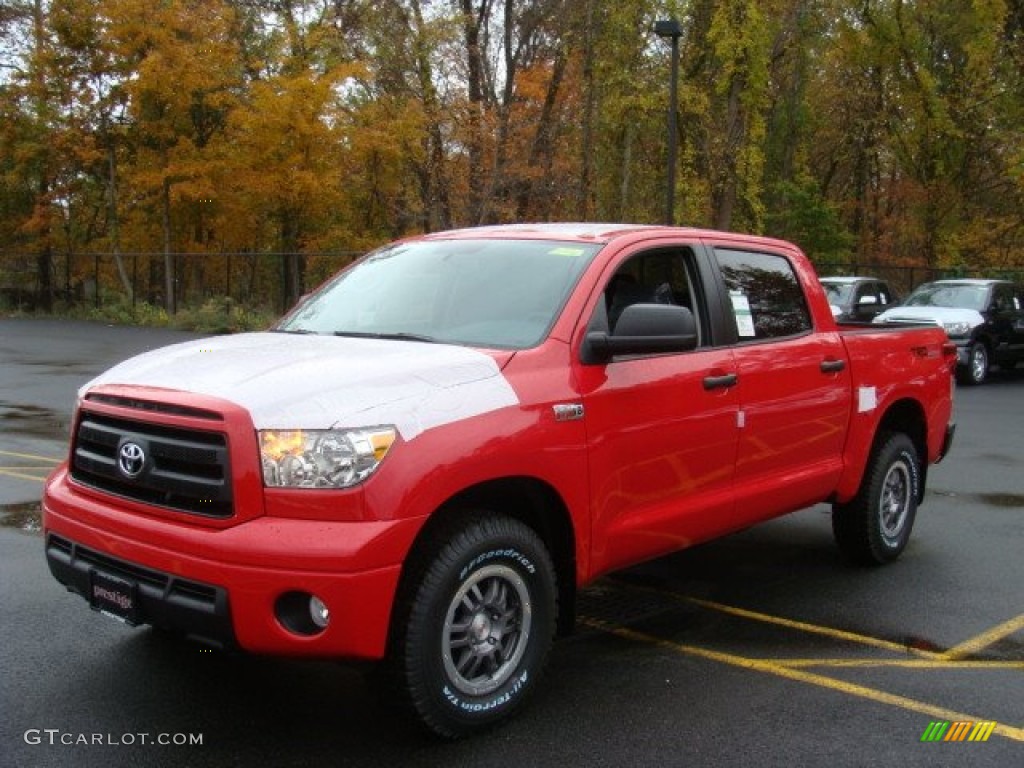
x=427, y=458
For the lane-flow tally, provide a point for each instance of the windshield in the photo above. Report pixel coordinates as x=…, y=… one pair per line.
x=838, y=293
x=482, y=293
x=948, y=295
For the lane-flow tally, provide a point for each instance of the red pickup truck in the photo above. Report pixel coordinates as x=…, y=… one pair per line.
x=426, y=459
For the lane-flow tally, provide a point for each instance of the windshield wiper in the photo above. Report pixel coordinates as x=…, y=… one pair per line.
x=398, y=336
x=296, y=331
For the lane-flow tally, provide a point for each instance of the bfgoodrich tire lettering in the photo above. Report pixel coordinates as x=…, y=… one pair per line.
x=874, y=527
x=478, y=626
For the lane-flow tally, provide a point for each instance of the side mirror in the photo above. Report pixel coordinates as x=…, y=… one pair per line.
x=643, y=329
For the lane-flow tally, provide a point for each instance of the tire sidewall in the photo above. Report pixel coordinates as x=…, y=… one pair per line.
x=977, y=349
x=898, y=451
x=454, y=710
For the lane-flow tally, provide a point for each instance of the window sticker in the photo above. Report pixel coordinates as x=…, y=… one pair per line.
x=744, y=319
x=566, y=251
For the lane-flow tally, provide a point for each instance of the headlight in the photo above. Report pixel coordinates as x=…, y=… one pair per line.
x=957, y=329
x=322, y=458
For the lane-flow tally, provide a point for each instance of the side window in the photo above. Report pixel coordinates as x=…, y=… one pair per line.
x=1003, y=300
x=766, y=295
x=656, y=277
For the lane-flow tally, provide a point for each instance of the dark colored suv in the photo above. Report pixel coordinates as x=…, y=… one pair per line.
x=985, y=318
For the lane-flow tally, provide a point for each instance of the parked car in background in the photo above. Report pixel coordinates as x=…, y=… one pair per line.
x=984, y=318
x=854, y=299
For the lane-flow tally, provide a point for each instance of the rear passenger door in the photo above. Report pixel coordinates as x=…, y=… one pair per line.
x=793, y=384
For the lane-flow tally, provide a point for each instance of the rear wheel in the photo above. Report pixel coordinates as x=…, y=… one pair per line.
x=476, y=626
x=874, y=527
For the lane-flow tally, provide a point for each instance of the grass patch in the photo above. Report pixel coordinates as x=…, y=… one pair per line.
x=217, y=315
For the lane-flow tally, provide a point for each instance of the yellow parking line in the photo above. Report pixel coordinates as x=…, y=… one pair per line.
x=33, y=456
x=852, y=689
x=903, y=663
x=12, y=473
x=836, y=634
x=985, y=639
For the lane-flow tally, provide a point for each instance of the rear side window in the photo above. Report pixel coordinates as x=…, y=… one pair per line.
x=766, y=296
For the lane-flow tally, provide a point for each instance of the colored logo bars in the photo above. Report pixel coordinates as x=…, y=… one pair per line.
x=943, y=730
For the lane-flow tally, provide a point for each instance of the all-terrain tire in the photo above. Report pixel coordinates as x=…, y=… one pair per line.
x=874, y=527
x=473, y=631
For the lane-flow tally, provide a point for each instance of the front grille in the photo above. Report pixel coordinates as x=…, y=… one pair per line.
x=184, y=470
x=150, y=405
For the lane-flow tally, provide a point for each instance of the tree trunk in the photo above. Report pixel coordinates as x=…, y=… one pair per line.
x=436, y=202
x=115, y=228
x=725, y=192
x=170, y=302
x=583, y=194
x=475, y=66
x=44, y=259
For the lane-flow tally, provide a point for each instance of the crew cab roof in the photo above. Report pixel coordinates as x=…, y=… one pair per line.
x=590, y=232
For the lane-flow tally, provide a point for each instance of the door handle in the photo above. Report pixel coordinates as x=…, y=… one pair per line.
x=720, y=382
x=832, y=366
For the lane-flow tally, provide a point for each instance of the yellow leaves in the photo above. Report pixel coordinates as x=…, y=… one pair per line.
x=309, y=123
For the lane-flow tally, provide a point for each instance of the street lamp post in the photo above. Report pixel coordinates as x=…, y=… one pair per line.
x=671, y=28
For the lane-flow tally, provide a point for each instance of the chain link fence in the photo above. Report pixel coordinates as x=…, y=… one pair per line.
x=269, y=283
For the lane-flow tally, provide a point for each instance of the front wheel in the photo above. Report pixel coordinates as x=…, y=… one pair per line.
x=874, y=527
x=473, y=636
x=976, y=370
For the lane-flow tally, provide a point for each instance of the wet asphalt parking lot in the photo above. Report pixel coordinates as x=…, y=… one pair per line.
x=763, y=648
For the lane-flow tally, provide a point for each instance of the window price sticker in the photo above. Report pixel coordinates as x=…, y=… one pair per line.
x=744, y=319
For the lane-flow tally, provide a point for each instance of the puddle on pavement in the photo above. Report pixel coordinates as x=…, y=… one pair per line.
x=1003, y=500
x=915, y=643
x=31, y=420
x=1006, y=649
x=26, y=517
x=68, y=367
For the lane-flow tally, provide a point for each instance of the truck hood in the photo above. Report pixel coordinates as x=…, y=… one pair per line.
x=287, y=381
x=937, y=315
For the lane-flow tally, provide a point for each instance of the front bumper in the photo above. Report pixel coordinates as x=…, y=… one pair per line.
x=199, y=611
x=224, y=587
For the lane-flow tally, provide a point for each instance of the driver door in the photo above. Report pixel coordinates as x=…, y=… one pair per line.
x=661, y=428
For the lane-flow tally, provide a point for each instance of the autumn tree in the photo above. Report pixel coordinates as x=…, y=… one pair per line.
x=865, y=130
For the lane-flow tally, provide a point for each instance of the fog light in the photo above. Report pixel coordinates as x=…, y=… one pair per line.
x=319, y=612
x=302, y=613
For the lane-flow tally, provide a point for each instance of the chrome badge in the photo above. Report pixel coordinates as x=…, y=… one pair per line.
x=568, y=411
x=131, y=459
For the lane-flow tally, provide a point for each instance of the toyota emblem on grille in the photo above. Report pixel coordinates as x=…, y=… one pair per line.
x=131, y=459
